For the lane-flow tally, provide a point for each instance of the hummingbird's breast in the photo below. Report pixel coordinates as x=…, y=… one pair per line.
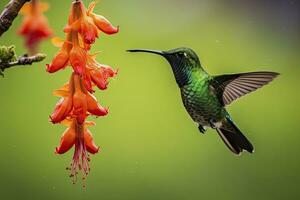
x=201, y=103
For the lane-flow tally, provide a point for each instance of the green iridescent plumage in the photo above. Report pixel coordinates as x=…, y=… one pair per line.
x=205, y=96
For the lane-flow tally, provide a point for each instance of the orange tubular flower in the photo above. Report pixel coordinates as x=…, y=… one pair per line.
x=64, y=106
x=79, y=101
x=61, y=59
x=94, y=108
x=73, y=133
x=78, y=135
x=101, y=22
x=76, y=99
x=35, y=25
x=76, y=102
x=78, y=59
x=88, y=30
x=99, y=73
x=62, y=110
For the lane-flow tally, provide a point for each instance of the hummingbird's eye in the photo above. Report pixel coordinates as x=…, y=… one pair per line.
x=182, y=54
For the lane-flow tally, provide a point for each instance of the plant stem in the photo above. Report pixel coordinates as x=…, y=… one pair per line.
x=9, y=13
x=23, y=60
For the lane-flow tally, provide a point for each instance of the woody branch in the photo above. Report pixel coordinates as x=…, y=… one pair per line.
x=22, y=60
x=7, y=17
x=9, y=13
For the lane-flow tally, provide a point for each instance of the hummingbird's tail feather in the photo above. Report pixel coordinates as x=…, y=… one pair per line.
x=233, y=137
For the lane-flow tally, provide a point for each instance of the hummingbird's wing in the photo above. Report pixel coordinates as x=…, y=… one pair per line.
x=229, y=87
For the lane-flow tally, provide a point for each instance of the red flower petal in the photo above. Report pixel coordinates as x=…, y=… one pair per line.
x=108, y=71
x=79, y=101
x=100, y=76
x=99, y=79
x=78, y=59
x=87, y=82
x=67, y=140
x=62, y=110
x=59, y=61
x=94, y=107
x=89, y=142
x=88, y=30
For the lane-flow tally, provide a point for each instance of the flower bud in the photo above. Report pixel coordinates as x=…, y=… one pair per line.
x=103, y=24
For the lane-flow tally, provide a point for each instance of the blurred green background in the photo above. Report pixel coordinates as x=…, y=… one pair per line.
x=151, y=149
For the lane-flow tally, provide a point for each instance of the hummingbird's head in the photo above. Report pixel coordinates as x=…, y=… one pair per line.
x=182, y=60
x=182, y=55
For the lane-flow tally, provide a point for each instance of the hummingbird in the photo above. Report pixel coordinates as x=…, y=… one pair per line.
x=205, y=96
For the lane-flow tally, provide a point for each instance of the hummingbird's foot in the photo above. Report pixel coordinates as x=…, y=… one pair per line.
x=212, y=123
x=201, y=129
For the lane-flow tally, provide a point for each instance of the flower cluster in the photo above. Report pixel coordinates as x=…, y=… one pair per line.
x=77, y=101
x=35, y=25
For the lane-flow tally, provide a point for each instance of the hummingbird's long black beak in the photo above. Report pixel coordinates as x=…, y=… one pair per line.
x=148, y=51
